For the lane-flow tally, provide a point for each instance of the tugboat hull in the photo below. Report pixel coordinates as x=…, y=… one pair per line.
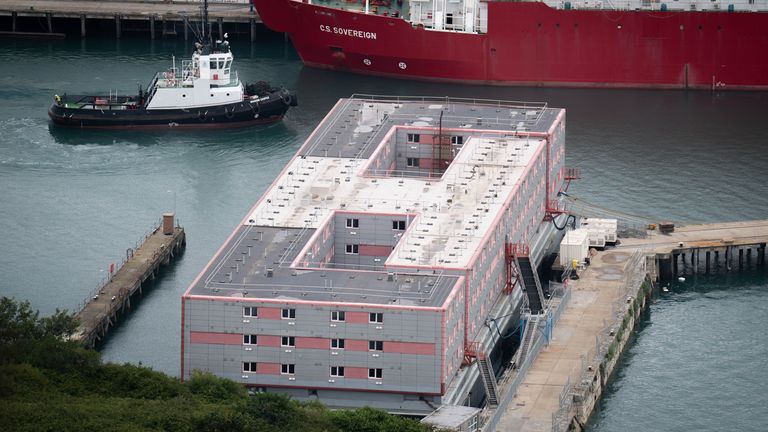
x=268, y=109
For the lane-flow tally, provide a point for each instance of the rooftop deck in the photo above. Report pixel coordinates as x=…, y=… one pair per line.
x=451, y=213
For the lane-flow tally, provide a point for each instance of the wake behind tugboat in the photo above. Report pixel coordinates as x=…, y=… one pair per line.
x=204, y=92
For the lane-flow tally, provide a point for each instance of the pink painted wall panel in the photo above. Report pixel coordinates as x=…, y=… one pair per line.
x=268, y=340
x=426, y=163
x=355, y=372
x=270, y=313
x=409, y=348
x=268, y=368
x=216, y=338
x=375, y=250
x=312, y=343
x=356, y=345
x=357, y=317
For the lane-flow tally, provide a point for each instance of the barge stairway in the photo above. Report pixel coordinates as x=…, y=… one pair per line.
x=489, y=379
x=531, y=283
x=526, y=342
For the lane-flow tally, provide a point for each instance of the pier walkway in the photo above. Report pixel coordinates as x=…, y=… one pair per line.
x=101, y=311
x=152, y=17
x=566, y=380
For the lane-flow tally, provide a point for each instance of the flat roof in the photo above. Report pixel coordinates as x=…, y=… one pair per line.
x=328, y=174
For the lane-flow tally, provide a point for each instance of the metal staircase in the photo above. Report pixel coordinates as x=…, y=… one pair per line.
x=489, y=379
x=526, y=342
x=531, y=283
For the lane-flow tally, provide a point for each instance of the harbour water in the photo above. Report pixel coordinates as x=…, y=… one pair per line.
x=72, y=202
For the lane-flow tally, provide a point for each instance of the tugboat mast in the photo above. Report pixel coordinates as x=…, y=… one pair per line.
x=206, y=37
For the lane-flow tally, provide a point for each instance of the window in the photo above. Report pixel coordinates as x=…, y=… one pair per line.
x=353, y=223
x=287, y=369
x=289, y=313
x=221, y=63
x=376, y=317
x=249, y=366
x=337, y=371
x=288, y=341
x=374, y=373
x=398, y=225
x=337, y=343
x=412, y=162
x=352, y=249
x=375, y=346
x=458, y=140
x=250, y=312
x=249, y=339
x=338, y=316
x=413, y=138
x=213, y=64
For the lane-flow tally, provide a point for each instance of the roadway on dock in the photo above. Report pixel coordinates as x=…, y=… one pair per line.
x=599, y=300
x=230, y=12
x=594, y=299
x=702, y=236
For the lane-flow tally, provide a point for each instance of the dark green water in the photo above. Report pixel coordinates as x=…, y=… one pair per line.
x=71, y=202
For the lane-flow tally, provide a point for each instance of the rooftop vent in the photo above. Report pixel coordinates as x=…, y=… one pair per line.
x=270, y=272
x=390, y=277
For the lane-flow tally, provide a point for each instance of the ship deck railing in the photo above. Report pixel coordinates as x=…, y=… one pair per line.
x=173, y=79
x=663, y=5
x=517, y=105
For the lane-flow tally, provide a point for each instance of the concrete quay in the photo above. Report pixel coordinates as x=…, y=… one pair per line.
x=566, y=380
x=153, y=18
x=101, y=311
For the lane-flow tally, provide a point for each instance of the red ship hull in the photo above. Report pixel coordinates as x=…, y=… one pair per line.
x=531, y=44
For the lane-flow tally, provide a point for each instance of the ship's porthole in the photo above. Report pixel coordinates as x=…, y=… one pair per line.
x=183, y=95
x=618, y=26
x=227, y=94
x=367, y=62
x=402, y=65
x=211, y=94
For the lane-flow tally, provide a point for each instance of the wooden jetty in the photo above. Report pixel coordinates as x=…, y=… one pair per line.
x=154, y=18
x=102, y=310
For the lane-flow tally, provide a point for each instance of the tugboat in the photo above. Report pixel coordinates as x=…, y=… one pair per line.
x=204, y=92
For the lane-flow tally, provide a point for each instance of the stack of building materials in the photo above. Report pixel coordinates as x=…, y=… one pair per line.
x=574, y=247
x=601, y=231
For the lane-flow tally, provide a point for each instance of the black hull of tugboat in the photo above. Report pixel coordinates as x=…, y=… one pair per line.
x=245, y=113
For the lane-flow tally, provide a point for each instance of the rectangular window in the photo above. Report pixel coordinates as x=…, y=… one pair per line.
x=374, y=373
x=249, y=339
x=398, y=225
x=337, y=343
x=413, y=138
x=337, y=371
x=412, y=162
x=376, y=317
x=352, y=249
x=249, y=366
x=375, y=346
x=353, y=223
x=250, y=312
x=288, y=341
x=289, y=314
x=338, y=316
x=287, y=369
x=457, y=140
